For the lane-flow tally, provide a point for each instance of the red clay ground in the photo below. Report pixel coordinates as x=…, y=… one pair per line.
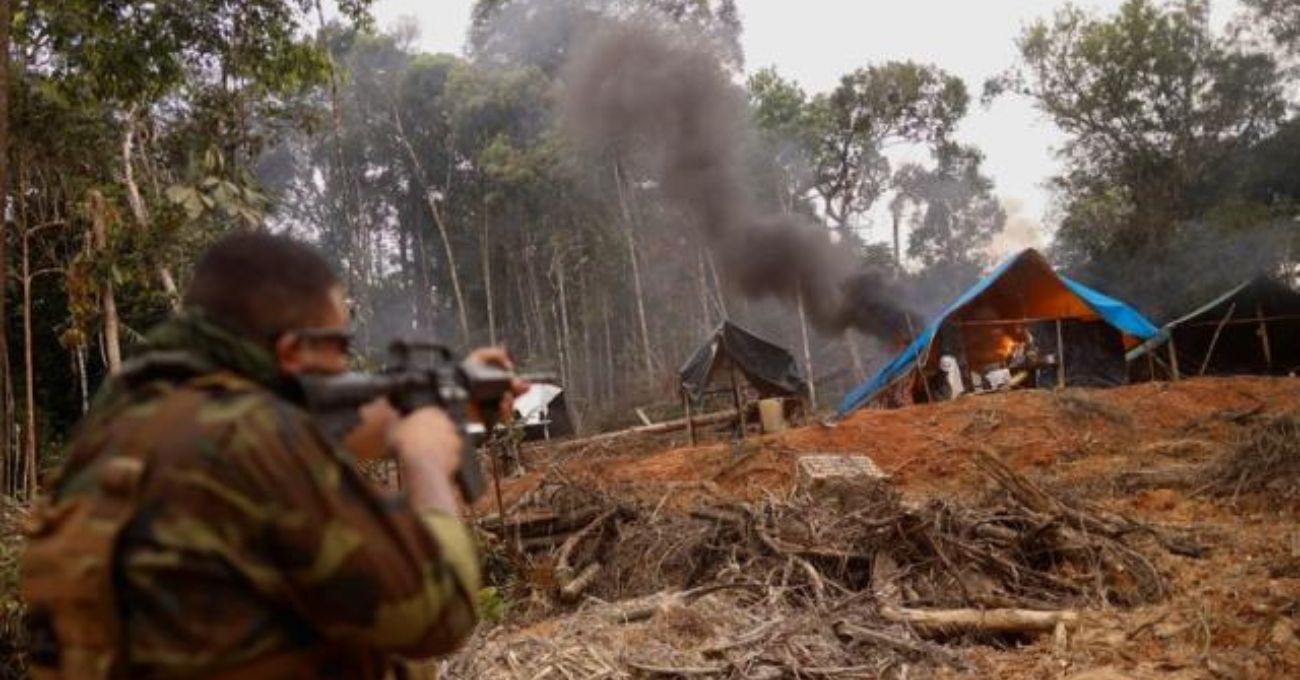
x=1234, y=613
x=927, y=448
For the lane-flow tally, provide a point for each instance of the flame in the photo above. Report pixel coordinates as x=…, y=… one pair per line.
x=1007, y=345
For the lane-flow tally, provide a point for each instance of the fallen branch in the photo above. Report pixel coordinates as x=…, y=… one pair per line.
x=571, y=591
x=563, y=569
x=998, y=621
x=853, y=632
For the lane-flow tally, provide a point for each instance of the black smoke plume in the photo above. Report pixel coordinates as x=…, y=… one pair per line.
x=639, y=89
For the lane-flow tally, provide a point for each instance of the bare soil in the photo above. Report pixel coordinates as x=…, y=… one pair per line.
x=1155, y=455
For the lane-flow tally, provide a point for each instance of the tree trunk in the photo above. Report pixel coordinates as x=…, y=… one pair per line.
x=703, y=285
x=487, y=267
x=99, y=242
x=29, y=392
x=807, y=357
x=565, y=346
x=610, y=388
x=83, y=381
x=140, y=212
x=348, y=190
x=629, y=234
x=6, y=413
x=717, y=286
x=431, y=199
x=898, y=246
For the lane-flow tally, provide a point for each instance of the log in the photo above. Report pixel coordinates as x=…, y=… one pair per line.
x=572, y=590
x=928, y=622
x=658, y=428
x=563, y=569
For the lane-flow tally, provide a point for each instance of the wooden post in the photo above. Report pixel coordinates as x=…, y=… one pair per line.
x=921, y=357
x=735, y=394
x=1214, y=339
x=690, y=423
x=1173, y=357
x=1060, y=356
x=1263, y=335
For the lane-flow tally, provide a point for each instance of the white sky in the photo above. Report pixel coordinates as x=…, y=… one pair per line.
x=816, y=41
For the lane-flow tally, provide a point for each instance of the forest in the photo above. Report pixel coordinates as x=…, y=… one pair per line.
x=462, y=197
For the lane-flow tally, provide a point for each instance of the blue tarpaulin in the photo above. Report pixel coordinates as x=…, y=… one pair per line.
x=1123, y=317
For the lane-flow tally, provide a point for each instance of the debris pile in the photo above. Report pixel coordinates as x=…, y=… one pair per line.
x=849, y=581
x=1265, y=459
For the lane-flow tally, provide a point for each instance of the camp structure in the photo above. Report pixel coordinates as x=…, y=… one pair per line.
x=732, y=354
x=1252, y=329
x=1021, y=325
x=542, y=412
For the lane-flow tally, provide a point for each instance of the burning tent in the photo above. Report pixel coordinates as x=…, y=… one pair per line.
x=1023, y=324
x=1252, y=329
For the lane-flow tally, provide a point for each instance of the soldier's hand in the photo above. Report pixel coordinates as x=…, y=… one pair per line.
x=427, y=438
x=369, y=439
x=498, y=356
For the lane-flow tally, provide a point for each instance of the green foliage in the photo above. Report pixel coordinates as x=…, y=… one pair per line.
x=1281, y=18
x=1150, y=101
x=873, y=107
x=492, y=605
x=181, y=98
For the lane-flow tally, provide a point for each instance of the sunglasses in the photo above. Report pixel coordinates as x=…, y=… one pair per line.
x=341, y=337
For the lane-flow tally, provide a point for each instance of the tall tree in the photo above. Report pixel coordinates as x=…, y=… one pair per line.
x=1150, y=99
x=871, y=109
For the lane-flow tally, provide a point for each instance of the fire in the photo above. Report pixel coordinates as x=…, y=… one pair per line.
x=1006, y=345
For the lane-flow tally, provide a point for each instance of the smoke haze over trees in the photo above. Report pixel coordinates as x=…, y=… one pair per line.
x=456, y=199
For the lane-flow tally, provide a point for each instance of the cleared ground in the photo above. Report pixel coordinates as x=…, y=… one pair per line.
x=1157, y=522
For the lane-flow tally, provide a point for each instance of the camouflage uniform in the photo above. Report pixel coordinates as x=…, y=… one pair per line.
x=202, y=527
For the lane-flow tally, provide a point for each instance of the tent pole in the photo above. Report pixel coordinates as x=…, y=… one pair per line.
x=920, y=360
x=1263, y=335
x=690, y=422
x=1173, y=357
x=1060, y=356
x=1151, y=365
x=1214, y=340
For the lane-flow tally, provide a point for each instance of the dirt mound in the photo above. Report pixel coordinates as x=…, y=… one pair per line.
x=928, y=449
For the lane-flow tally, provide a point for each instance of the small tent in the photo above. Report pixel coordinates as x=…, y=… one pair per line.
x=1080, y=332
x=771, y=369
x=1252, y=329
x=542, y=412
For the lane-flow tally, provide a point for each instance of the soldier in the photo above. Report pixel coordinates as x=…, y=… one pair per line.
x=202, y=527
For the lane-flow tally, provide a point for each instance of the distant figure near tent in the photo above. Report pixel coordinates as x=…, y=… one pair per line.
x=1252, y=329
x=732, y=353
x=1023, y=325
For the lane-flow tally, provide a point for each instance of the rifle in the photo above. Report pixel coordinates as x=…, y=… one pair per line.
x=420, y=373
